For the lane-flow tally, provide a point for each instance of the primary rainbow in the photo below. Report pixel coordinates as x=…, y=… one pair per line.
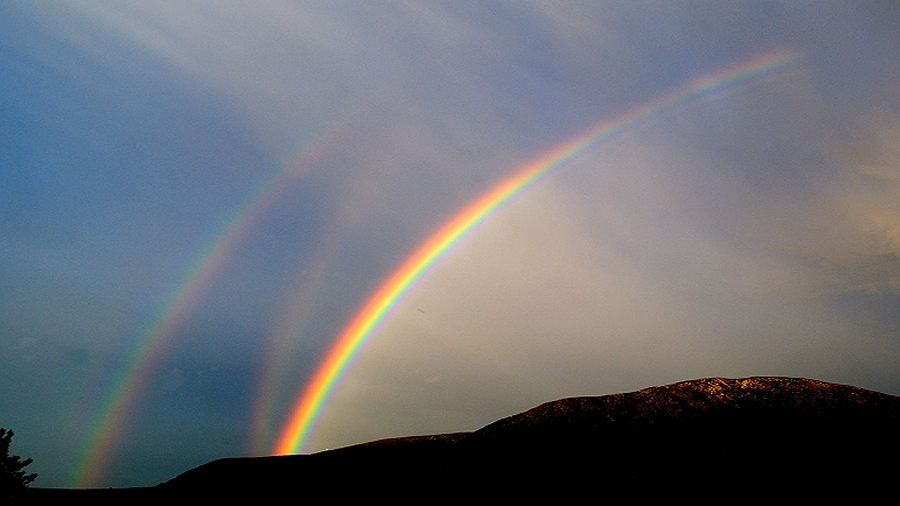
x=379, y=305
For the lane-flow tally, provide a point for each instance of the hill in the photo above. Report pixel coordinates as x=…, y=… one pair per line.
x=707, y=438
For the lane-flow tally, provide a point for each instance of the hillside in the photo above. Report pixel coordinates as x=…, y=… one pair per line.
x=713, y=437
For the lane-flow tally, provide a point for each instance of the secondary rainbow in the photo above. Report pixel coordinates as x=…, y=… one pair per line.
x=372, y=314
x=137, y=371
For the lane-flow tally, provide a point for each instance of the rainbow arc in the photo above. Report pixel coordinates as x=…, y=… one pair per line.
x=367, y=320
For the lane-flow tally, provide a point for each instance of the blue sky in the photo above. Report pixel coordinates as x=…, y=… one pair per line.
x=753, y=233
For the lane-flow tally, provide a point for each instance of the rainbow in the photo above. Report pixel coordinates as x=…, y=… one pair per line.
x=313, y=399
x=137, y=371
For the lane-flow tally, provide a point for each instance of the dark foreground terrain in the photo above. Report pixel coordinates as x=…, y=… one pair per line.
x=708, y=440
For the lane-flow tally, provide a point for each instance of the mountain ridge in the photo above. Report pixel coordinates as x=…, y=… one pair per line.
x=757, y=435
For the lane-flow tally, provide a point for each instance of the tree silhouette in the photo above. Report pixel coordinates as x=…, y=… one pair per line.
x=13, y=479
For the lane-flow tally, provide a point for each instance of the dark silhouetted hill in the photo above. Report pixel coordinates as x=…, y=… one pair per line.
x=709, y=440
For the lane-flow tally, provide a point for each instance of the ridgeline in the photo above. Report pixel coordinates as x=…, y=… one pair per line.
x=707, y=439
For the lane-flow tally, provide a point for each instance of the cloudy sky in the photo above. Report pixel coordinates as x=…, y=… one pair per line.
x=196, y=197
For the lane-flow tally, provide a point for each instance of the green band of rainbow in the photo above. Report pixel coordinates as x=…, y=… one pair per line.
x=372, y=314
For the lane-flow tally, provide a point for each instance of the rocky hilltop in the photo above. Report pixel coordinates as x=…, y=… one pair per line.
x=707, y=439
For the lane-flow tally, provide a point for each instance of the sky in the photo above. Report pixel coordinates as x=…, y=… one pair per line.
x=197, y=199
